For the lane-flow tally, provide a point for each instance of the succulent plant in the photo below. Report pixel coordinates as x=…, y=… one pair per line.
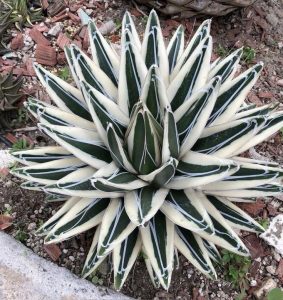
x=9, y=95
x=148, y=151
x=19, y=12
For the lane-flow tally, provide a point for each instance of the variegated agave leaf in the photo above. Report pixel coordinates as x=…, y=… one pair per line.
x=148, y=151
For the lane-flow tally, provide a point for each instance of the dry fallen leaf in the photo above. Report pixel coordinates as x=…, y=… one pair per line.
x=253, y=209
x=5, y=221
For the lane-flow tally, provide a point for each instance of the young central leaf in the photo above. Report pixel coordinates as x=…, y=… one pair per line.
x=143, y=143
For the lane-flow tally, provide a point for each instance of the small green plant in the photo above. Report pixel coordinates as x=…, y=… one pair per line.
x=236, y=268
x=21, y=235
x=248, y=54
x=95, y=279
x=275, y=294
x=264, y=223
x=221, y=51
x=64, y=73
x=21, y=144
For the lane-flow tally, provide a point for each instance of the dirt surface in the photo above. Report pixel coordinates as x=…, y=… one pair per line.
x=259, y=27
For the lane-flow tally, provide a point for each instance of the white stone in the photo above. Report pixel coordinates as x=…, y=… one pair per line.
x=274, y=234
x=54, y=31
x=267, y=286
x=6, y=159
x=24, y=275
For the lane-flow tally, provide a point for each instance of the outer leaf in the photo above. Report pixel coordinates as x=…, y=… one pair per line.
x=254, y=112
x=79, y=183
x=132, y=74
x=227, y=67
x=196, y=169
x=41, y=155
x=152, y=274
x=212, y=251
x=232, y=94
x=248, y=176
x=84, y=144
x=124, y=256
x=102, y=54
x=192, y=247
x=201, y=34
x=128, y=24
x=51, y=115
x=153, y=48
x=93, y=260
x=89, y=72
x=192, y=76
x=234, y=215
x=115, y=227
x=87, y=213
x=49, y=172
x=265, y=190
x=184, y=208
x=223, y=235
x=142, y=204
x=103, y=112
x=272, y=124
x=63, y=94
x=193, y=114
x=47, y=226
x=226, y=139
x=158, y=241
x=175, y=47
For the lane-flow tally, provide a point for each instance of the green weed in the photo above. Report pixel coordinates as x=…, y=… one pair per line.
x=248, y=54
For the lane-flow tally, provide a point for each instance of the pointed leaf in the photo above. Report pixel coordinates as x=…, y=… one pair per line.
x=232, y=94
x=158, y=241
x=234, y=215
x=132, y=75
x=192, y=247
x=102, y=54
x=124, y=256
x=195, y=169
x=83, y=143
x=41, y=155
x=153, y=48
x=142, y=204
x=185, y=209
x=175, y=47
x=65, y=96
x=85, y=214
x=192, y=76
x=192, y=115
x=89, y=72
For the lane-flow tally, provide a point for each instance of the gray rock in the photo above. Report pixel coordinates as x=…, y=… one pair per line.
x=54, y=31
x=24, y=275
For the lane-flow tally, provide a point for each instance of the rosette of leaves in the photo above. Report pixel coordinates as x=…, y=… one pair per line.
x=19, y=12
x=9, y=95
x=148, y=153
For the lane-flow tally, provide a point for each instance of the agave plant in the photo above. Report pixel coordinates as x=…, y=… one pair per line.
x=9, y=95
x=148, y=151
